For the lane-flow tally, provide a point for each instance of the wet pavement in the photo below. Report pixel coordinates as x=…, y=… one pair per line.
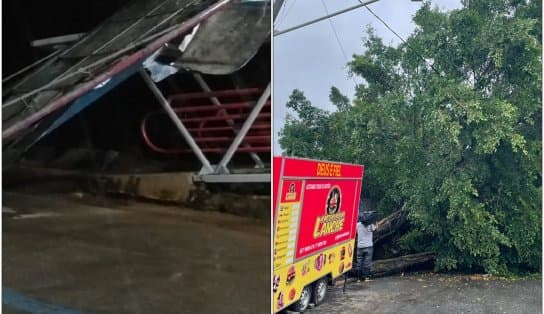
x=435, y=293
x=117, y=256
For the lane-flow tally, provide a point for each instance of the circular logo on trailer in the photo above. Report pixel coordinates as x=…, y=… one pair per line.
x=291, y=275
x=276, y=283
x=292, y=294
x=280, y=300
x=333, y=200
x=291, y=193
x=341, y=269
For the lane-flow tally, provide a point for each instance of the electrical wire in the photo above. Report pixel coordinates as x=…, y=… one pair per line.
x=402, y=39
x=277, y=33
x=286, y=11
x=334, y=31
x=384, y=23
x=338, y=39
x=414, y=50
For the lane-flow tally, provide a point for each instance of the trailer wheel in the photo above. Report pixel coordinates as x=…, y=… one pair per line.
x=302, y=304
x=320, y=290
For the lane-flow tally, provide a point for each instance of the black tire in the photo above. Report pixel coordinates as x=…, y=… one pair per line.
x=319, y=289
x=304, y=302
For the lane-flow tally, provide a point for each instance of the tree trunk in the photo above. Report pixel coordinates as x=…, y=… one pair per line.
x=390, y=225
x=400, y=264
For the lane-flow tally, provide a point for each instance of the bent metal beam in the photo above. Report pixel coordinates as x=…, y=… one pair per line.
x=138, y=56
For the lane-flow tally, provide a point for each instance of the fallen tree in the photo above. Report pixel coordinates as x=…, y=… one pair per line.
x=390, y=224
x=387, y=231
x=400, y=264
x=396, y=265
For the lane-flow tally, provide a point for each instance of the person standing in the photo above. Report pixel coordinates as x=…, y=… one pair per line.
x=365, y=246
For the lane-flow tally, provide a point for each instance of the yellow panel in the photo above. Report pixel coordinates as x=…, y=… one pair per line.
x=290, y=279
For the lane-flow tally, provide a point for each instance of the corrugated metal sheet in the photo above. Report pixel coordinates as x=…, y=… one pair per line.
x=243, y=28
x=81, y=62
x=129, y=30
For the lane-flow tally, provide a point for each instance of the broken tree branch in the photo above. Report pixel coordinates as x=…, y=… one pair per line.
x=390, y=224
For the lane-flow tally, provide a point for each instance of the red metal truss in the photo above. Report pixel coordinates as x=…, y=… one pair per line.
x=214, y=127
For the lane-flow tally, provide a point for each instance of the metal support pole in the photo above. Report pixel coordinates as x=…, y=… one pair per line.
x=166, y=106
x=230, y=122
x=324, y=17
x=57, y=40
x=243, y=131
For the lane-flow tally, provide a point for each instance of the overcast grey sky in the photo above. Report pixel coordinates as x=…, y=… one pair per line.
x=310, y=58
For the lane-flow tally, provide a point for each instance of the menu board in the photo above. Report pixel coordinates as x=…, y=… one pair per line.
x=287, y=223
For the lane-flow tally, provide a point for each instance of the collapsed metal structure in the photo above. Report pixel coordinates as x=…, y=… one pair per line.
x=194, y=36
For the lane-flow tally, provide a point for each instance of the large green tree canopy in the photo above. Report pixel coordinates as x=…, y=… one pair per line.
x=449, y=125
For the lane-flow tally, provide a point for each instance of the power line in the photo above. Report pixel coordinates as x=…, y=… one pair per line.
x=402, y=39
x=337, y=38
x=289, y=9
x=323, y=18
x=280, y=13
x=414, y=50
x=286, y=11
x=384, y=23
x=334, y=31
x=276, y=6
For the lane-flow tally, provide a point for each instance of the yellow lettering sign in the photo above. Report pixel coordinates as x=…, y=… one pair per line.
x=329, y=170
x=329, y=224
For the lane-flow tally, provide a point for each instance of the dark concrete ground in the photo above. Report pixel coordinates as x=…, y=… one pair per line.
x=119, y=256
x=435, y=293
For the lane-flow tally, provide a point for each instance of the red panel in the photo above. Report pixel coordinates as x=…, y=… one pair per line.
x=310, y=168
x=247, y=139
x=241, y=105
x=214, y=127
x=259, y=126
x=223, y=93
x=322, y=224
x=225, y=117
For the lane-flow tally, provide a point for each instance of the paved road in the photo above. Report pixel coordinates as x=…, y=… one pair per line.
x=432, y=293
x=90, y=255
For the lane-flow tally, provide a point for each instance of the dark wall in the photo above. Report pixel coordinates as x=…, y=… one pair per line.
x=24, y=21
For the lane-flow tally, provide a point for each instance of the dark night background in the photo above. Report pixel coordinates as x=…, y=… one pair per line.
x=25, y=21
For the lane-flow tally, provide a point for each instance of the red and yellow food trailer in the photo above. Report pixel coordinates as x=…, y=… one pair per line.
x=315, y=208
